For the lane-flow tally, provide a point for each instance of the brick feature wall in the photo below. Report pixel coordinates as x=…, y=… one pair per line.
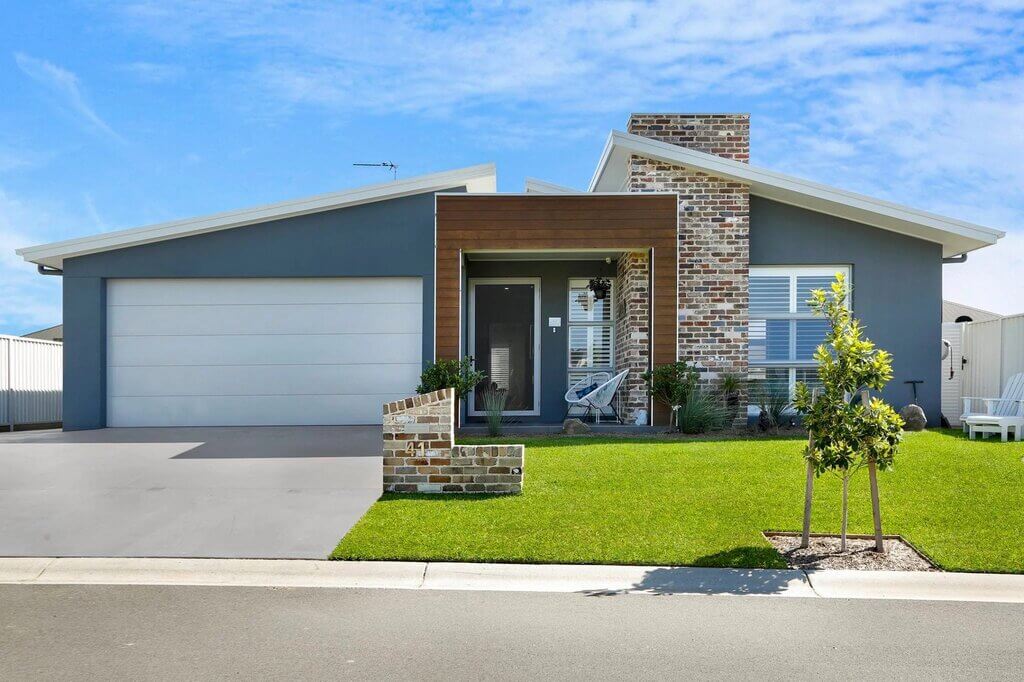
x=714, y=232
x=632, y=332
x=420, y=455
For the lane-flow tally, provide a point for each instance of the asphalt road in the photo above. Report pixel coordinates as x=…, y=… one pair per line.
x=105, y=632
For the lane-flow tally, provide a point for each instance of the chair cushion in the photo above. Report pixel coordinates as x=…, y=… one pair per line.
x=585, y=390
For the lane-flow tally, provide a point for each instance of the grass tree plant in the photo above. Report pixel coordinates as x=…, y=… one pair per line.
x=847, y=430
x=494, y=400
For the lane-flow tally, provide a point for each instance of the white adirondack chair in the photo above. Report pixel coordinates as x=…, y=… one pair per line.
x=598, y=399
x=1001, y=415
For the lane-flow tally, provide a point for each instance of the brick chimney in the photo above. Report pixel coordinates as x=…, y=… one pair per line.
x=714, y=233
x=726, y=135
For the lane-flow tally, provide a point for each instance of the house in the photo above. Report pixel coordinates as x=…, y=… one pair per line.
x=317, y=311
x=54, y=333
x=959, y=312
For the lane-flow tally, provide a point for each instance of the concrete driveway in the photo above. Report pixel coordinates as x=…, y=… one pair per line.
x=267, y=492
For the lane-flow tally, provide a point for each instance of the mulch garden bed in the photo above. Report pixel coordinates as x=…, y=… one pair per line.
x=859, y=555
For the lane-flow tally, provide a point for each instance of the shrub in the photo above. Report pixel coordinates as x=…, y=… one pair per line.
x=457, y=374
x=671, y=384
x=701, y=412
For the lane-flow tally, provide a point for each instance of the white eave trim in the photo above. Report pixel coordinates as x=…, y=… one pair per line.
x=475, y=179
x=535, y=186
x=956, y=236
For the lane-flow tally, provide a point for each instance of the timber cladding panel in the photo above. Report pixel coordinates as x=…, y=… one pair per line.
x=536, y=222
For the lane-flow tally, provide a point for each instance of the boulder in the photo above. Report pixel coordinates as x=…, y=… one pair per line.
x=913, y=418
x=574, y=427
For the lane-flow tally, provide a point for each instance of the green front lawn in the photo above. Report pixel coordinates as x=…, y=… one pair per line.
x=704, y=503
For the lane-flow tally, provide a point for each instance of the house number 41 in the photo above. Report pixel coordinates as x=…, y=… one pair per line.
x=410, y=447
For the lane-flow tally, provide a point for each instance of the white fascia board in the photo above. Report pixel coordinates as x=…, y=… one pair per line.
x=535, y=186
x=476, y=179
x=956, y=236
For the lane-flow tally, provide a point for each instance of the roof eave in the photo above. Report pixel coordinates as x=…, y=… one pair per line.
x=481, y=178
x=956, y=236
x=535, y=186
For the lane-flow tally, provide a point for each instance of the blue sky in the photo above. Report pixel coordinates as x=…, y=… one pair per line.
x=115, y=115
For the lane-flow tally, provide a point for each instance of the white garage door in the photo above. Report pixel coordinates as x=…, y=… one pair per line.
x=238, y=352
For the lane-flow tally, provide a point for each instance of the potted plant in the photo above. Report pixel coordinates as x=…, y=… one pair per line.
x=600, y=286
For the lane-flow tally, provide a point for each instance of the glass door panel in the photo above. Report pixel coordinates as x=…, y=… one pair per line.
x=503, y=343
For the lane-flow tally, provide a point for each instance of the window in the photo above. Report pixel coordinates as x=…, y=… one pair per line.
x=783, y=333
x=591, y=331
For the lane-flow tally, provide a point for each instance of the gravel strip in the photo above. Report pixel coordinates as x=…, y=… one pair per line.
x=860, y=555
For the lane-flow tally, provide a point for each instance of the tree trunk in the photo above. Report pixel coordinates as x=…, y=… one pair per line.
x=846, y=487
x=876, y=508
x=805, y=540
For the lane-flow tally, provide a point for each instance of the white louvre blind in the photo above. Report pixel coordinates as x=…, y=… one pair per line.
x=590, y=346
x=769, y=294
x=783, y=333
x=591, y=331
x=499, y=367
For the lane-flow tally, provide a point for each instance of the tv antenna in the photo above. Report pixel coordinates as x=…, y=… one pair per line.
x=383, y=164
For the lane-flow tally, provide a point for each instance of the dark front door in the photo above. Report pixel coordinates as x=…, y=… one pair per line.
x=503, y=342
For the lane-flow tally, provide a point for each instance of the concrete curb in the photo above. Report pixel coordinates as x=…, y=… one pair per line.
x=598, y=580
x=989, y=587
x=584, y=579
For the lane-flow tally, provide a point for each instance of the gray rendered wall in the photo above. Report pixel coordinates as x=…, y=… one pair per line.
x=389, y=238
x=897, y=286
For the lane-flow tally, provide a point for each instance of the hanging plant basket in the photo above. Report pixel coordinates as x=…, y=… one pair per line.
x=600, y=286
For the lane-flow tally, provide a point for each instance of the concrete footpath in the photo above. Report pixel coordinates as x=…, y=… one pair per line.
x=515, y=577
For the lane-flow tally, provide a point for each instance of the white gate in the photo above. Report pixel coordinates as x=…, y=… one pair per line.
x=952, y=372
x=992, y=352
x=31, y=381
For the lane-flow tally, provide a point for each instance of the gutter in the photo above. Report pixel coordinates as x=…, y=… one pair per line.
x=962, y=258
x=47, y=270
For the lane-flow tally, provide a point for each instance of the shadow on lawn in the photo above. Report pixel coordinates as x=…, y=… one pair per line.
x=710, y=578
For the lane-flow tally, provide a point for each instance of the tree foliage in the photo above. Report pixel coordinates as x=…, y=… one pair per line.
x=846, y=435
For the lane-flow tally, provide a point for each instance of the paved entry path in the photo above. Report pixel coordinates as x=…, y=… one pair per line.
x=230, y=492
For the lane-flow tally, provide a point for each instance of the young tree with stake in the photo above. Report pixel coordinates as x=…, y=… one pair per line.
x=847, y=431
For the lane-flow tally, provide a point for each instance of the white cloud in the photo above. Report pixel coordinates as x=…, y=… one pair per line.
x=423, y=57
x=28, y=301
x=15, y=157
x=154, y=72
x=66, y=86
x=917, y=101
x=94, y=215
x=990, y=279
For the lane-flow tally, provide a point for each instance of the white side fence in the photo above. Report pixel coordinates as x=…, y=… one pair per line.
x=31, y=381
x=983, y=356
